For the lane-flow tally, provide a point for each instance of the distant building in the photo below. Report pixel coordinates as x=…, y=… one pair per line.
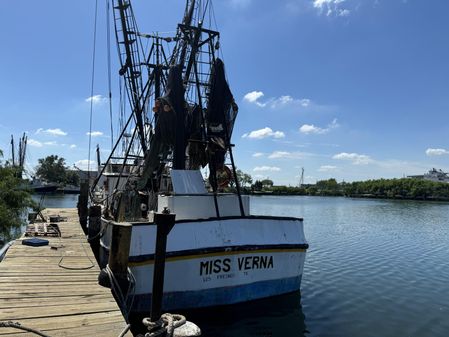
x=92, y=175
x=433, y=175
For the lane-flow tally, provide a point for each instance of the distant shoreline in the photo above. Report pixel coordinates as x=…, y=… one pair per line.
x=350, y=196
x=393, y=189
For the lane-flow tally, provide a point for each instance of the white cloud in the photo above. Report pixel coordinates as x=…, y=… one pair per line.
x=258, y=154
x=72, y=146
x=286, y=155
x=254, y=97
x=287, y=100
x=96, y=99
x=34, y=143
x=52, y=132
x=279, y=154
x=305, y=102
x=331, y=7
x=327, y=168
x=84, y=165
x=436, y=152
x=355, y=158
x=50, y=143
x=266, y=168
x=312, y=129
x=264, y=133
x=95, y=133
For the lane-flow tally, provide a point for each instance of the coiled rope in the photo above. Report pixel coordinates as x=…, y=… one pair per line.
x=165, y=326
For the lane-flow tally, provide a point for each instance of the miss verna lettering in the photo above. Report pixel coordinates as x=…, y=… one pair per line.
x=243, y=263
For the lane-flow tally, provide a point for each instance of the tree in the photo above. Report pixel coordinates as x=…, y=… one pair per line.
x=267, y=183
x=14, y=200
x=72, y=178
x=244, y=178
x=257, y=186
x=52, y=168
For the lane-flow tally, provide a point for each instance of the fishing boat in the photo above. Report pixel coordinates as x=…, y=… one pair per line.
x=174, y=154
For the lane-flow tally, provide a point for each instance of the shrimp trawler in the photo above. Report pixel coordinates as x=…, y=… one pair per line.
x=180, y=122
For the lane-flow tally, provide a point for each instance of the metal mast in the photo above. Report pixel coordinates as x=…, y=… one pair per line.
x=131, y=67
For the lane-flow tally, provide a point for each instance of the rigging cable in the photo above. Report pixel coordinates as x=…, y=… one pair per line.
x=108, y=38
x=92, y=88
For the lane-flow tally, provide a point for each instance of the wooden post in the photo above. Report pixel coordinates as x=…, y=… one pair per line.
x=94, y=229
x=83, y=200
x=119, y=252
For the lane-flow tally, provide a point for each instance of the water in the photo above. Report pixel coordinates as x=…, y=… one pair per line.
x=374, y=268
x=47, y=201
x=56, y=200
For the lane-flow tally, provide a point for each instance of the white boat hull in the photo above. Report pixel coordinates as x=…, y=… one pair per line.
x=215, y=262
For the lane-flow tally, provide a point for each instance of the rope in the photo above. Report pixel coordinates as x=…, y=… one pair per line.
x=92, y=264
x=108, y=38
x=165, y=326
x=123, y=333
x=123, y=300
x=92, y=88
x=100, y=233
x=17, y=325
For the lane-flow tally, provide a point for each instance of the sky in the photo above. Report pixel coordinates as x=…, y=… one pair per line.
x=349, y=89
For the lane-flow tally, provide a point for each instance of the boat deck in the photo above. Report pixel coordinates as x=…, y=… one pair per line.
x=54, y=288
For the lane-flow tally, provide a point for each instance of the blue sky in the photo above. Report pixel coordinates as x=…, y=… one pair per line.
x=354, y=89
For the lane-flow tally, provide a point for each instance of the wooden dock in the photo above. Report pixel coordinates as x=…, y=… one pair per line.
x=54, y=288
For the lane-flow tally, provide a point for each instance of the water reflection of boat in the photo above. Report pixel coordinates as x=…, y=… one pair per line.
x=217, y=253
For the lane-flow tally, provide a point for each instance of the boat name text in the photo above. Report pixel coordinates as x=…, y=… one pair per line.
x=243, y=263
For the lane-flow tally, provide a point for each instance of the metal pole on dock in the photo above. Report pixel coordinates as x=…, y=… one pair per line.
x=164, y=222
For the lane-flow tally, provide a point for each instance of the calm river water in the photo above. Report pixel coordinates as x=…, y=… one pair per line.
x=374, y=268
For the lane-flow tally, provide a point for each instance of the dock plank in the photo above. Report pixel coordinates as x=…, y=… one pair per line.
x=37, y=291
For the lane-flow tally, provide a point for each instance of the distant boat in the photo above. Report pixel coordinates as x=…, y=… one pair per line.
x=41, y=186
x=433, y=175
x=69, y=189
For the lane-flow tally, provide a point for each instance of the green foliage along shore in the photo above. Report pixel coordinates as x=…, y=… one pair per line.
x=405, y=188
x=14, y=200
x=53, y=169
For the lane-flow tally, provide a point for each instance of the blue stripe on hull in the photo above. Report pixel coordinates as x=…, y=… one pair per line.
x=220, y=296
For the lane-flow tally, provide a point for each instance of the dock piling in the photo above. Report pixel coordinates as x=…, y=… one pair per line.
x=94, y=228
x=118, y=256
x=83, y=200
